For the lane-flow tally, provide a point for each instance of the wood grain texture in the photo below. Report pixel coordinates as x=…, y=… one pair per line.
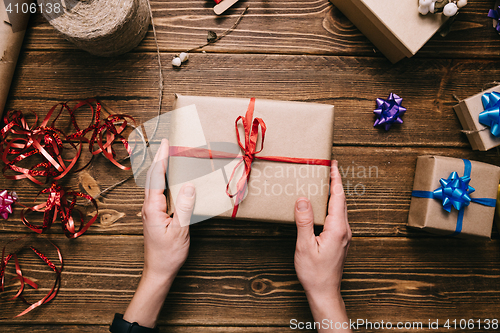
x=178, y=329
x=377, y=181
x=252, y=282
x=129, y=84
x=285, y=27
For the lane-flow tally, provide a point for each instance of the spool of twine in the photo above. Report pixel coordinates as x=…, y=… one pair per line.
x=102, y=27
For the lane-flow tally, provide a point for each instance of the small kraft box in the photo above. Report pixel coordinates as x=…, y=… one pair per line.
x=480, y=135
x=258, y=179
x=454, y=197
x=395, y=27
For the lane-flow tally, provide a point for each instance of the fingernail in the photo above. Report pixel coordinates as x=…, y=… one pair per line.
x=302, y=205
x=188, y=190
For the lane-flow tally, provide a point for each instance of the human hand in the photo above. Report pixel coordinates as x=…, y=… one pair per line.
x=166, y=243
x=319, y=260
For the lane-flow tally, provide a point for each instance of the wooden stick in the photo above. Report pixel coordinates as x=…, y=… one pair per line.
x=223, y=5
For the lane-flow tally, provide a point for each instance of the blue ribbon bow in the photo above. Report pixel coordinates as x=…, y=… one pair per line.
x=455, y=192
x=491, y=115
x=495, y=14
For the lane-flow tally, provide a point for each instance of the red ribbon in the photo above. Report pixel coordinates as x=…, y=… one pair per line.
x=20, y=141
x=58, y=205
x=251, y=127
x=23, y=280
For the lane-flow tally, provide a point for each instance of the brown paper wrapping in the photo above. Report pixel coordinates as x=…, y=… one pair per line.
x=294, y=129
x=395, y=27
x=468, y=112
x=428, y=214
x=11, y=40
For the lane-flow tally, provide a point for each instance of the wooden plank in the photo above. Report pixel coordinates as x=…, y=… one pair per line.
x=252, y=282
x=163, y=328
x=377, y=180
x=179, y=329
x=130, y=85
x=285, y=27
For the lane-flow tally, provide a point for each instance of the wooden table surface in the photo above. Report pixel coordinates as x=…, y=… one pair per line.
x=239, y=276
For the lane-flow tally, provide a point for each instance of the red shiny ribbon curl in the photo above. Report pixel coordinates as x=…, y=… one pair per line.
x=23, y=280
x=251, y=127
x=18, y=141
x=58, y=205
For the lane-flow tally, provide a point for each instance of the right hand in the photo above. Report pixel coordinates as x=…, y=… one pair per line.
x=319, y=260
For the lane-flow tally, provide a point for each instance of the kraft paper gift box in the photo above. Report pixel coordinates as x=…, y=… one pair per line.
x=395, y=27
x=12, y=29
x=293, y=129
x=427, y=212
x=468, y=111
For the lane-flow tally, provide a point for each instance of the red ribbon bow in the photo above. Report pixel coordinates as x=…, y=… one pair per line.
x=57, y=205
x=251, y=133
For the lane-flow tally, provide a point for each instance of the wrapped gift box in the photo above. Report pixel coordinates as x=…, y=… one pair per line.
x=395, y=27
x=468, y=112
x=474, y=220
x=12, y=29
x=293, y=129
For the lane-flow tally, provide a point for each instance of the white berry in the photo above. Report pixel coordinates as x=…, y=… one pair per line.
x=423, y=9
x=425, y=2
x=183, y=56
x=176, y=62
x=461, y=3
x=450, y=9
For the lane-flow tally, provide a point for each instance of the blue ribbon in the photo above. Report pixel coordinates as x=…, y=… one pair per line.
x=454, y=192
x=495, y=14
x=491, y=115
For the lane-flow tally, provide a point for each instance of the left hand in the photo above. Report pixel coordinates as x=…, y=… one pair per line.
x=166, y=243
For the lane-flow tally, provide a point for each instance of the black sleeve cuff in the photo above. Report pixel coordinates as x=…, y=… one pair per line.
x=120, y=325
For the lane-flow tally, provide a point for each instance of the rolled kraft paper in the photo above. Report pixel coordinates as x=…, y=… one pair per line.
x=12, y=28
x=102, y=27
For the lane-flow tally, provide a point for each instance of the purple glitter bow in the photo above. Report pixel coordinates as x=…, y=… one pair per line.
x=495, y=14
x=6, y=201
x=389, y=111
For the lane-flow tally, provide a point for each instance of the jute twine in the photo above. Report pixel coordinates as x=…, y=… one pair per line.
x=101, y=27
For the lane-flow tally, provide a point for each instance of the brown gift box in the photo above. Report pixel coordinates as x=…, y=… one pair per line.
x=468, y=112
x=294, y=129
x=428, y=214
x=395, y=27
x=12, y=29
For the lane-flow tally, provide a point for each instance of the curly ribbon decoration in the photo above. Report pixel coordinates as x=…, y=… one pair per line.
x=491, y=115
x=6, y=201
x=21, y=141
x=454, y=192
x=495, y=14
x=251, y=128
x=57, y=205
x=389, y=111
x=23, y=280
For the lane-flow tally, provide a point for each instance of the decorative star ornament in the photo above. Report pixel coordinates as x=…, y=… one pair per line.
x=495, y=15
x=389, y=111
x=491, y=115
x=454, y=192
x=6, y=201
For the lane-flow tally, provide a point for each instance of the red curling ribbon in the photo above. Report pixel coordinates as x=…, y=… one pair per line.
x=23, y=280
x=20, y=141
x=251, y=127
x=58, y=205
